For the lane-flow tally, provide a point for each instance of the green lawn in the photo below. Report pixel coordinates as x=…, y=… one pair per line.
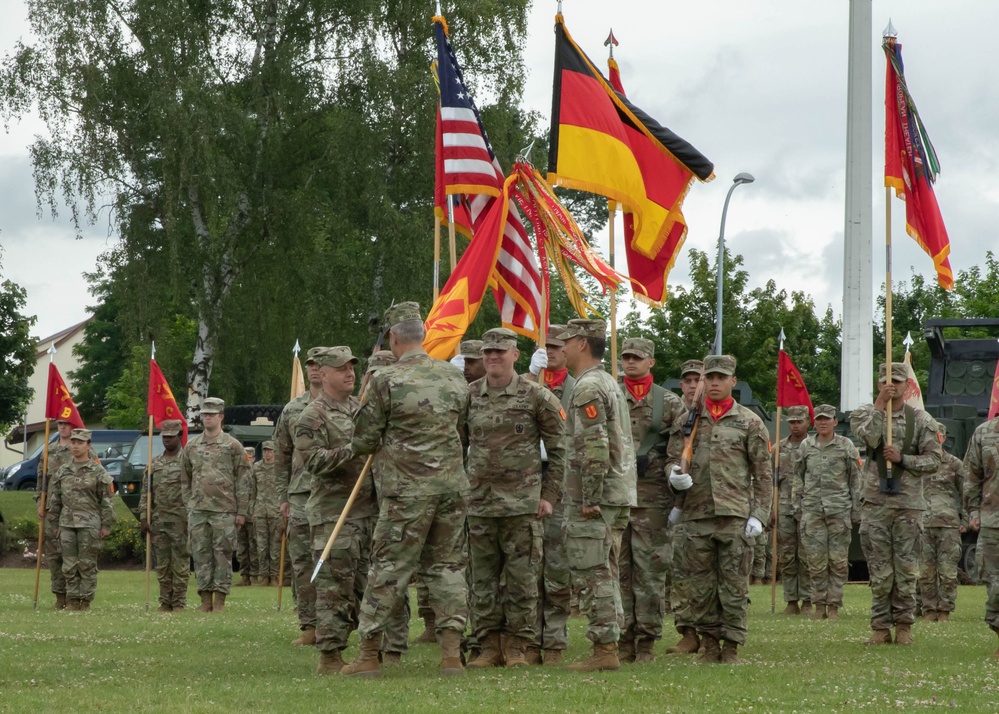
x=21, y=504
x=118, y=657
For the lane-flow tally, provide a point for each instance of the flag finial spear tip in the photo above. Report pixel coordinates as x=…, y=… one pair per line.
x=152, y=351
x=611, y=42
x=890, y=31
x=297, y=348
x=908, y=341
x=51, y=351
x=438, y=9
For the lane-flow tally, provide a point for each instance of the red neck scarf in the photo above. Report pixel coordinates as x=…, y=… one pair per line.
x=639, y=388
x=555, y=378
x=718, y=409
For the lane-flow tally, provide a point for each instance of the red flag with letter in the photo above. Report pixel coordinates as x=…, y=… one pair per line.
x=58, y=403
x=994, y=401
x=791, y=389
x=162, y=404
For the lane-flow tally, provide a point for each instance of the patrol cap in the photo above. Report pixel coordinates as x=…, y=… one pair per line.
x=471, y=349
x=80, y=435
x=335, y=357
x=402, y=312
x=171, y=427
x=381, y=358
x=268, y=445
x=499, y=338
x=898, y=372
x=212, y=405
x=825, y=410
x=584, y=328
x=691, y=365
x=311, y=354
x=63, y=421
x=553, y=338
x=719, y=364
x=799, y=413
x=640, y=347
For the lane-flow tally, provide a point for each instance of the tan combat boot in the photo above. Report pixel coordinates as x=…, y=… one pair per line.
x=689, y=644
x=164, y=608
x=84, y=605
x=943, y=616
x=330, y=663
x=244, y=580
x=206, y=601
x=806, y=607
x=903, y=634
x=820, y=613
x=729, y=653
x=532, y=653
x=72, y=605
x=429, y=636
x=552, y=658
x=451, y=652
x=832, y=612
x=712, y=651
x=603, y=659
x=626, y=651
x=792, y=609
x=219, y=604
x=60, y=603
x=880, y=637
x=930, y=616
x=996, y=653
x=308, y=637
x=366, y=664
x=390, y=659
x=514, y=653
x=644, y=651
x=490, y=655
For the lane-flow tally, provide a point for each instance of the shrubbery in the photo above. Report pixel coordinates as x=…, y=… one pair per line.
x=124, y=545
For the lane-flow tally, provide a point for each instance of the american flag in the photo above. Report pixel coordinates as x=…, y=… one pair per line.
x=468, y=170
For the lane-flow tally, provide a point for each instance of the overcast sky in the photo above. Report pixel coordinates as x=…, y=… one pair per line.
x=756, y=85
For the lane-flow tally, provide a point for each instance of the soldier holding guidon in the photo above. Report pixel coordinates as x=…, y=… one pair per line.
x=790, y=549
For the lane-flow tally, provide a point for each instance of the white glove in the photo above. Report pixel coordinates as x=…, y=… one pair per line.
x=544, y=452
x=753, y=527
x=459, y=362
x=674, y=516
x=539, y=361
x=679, y=480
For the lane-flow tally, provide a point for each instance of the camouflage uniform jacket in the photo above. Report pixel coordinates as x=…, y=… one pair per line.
x=944, y=493
x=788, y=449
x=216, y=475
x=731, y=468
x=653, y=486
x=505, y=428
x=81, y=496
x=826, y=478
x=415, y=411
x=168, y=498
x=289, y=470
x=601, y=452
x=263, y=491
x=981, y=485
x=59, y=456
x=322, y=437
x=922, y=459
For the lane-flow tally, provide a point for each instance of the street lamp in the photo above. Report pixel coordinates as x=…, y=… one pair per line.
x=739, y=179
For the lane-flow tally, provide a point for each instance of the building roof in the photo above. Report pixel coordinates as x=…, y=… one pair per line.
x=59, y=338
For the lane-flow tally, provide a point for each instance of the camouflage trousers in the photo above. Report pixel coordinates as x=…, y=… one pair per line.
x=267, y=533
x=395, y=637
x=680, y=591
x=762, y=556
x=505, y=557
x=827, y=546
x=423, y=609
x=717, y=557
x=173, y=562
x=299, y=546
x=593, y=546
x=940, y=551
x=246, y=549
x=417, y=535
x=213, y=537
x=791, y=559
x=554, y=585
x=80, y=548
x=52, y=550
x=890, y=539
x=340, y=582
x=643, y=566
x=987, y=558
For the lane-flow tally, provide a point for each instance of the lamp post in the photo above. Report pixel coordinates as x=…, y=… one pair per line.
x=739, y=179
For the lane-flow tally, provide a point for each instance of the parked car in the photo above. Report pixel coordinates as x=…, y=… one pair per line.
x=109, y=445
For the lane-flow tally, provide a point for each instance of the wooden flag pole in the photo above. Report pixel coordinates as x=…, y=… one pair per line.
x=149, y=510
x=41, y=507
x=888, y=312
x=773, y=532
x=452, y=248
x=611, y=216
x=284, y=544
x=437, y=258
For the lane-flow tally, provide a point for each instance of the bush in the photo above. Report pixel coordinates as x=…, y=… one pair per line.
x=19, y=532
x=125, y=544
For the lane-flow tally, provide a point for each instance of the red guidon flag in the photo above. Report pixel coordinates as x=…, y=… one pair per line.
x=791, y=389
x=994, y=400
x=162, y=404
x=58, y=402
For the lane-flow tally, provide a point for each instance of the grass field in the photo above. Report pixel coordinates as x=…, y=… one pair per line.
x=118, y=657
x=21, y=504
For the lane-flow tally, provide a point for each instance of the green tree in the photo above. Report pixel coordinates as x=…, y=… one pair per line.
x=17, y=354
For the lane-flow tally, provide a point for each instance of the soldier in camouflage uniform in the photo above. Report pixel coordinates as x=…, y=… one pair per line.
x=509, y=497
x=59, y=456
x=825, y=491
x=266, y=516
x=168, y=528
x=414, y=411
x=471, y=354
x=981, y=498
x=944, y=520
x=81, y=505
x=294, y=483
x=600, y=489
x=892, y=513
x=322, y=435
x=727, y=500
x=216, y=487
x=246, y=536
x=790, y=549
x=646, y=553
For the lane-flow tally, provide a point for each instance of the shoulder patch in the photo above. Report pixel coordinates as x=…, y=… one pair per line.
x=591, y=411
x=561, y=413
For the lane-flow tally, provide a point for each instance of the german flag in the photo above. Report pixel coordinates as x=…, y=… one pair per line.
x=604, y=144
